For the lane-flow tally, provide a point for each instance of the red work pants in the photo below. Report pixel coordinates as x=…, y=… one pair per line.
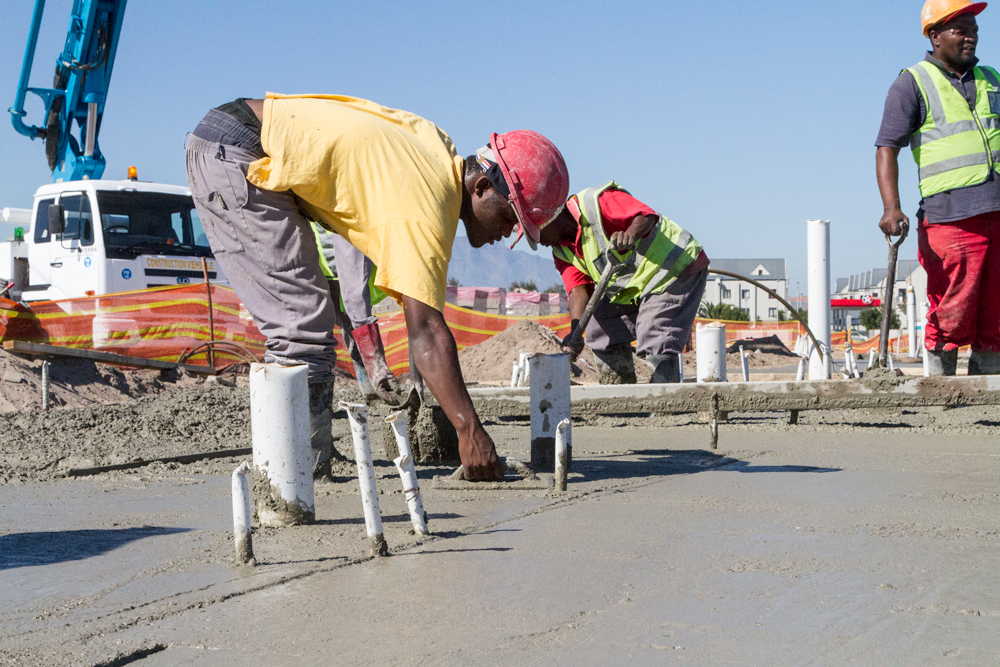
x=962, y=261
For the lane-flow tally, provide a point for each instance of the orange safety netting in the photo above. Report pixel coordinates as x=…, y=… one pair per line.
x=162, y=323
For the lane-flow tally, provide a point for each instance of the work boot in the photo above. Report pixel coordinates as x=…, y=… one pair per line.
x=942, y=362
x=615, y=365
x=984, y=363
x=364, y=382
x=369, y=345
x=666, y=368
x=321, y=424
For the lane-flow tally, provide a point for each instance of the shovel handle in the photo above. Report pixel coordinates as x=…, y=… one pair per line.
x=610, y=269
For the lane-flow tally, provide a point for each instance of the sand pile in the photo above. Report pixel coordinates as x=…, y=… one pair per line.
x=491, y=360
x=73, y=383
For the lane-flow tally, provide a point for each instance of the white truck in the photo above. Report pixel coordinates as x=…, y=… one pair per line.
x=95, y=237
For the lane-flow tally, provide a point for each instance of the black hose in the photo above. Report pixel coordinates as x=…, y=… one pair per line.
x=770, y=291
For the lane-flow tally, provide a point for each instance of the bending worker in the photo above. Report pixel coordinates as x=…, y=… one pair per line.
x=654, y=298
x=948, y=109
x=390, y=183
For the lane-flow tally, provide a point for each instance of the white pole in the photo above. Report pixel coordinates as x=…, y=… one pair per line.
x=911, y=319
x=358, y=417
x=515, y=374
x=408, y=474
x=242, y=514
x=45, y=384
x=563, y=439
x=711, y=352
x=680, y=365
x=282, y=455
x=819, y=296
x=745, y=363
x=550, y=405
x=923, y=346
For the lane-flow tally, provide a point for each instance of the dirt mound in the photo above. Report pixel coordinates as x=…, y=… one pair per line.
x=491, y=360
x=73, y=383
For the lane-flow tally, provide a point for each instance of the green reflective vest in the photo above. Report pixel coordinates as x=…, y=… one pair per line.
x=650, y=267
x=956, y=146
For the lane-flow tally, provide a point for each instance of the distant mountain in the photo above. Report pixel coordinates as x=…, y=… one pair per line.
x=498, y=266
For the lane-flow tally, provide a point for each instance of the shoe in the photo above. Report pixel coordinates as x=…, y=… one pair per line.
x=666, y=368
x=942, y=362
x=615, y=365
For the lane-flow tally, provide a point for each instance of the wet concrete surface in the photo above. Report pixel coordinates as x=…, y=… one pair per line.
x=854, y=538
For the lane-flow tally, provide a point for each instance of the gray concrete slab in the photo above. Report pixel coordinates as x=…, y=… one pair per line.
x=820, y=544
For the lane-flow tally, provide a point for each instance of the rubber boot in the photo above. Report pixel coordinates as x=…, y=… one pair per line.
x=321, y=424
x=942, y=362
x=666, y=369
x=615, y=365
x=369, y=344
x=984, y=363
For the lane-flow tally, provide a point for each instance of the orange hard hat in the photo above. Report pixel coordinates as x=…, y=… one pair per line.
x=534, y=175
x=936, y=12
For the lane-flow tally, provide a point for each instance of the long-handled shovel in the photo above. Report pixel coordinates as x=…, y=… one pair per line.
x=890, y=283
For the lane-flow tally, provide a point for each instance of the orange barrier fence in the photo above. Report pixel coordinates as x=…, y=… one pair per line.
x=162, y=323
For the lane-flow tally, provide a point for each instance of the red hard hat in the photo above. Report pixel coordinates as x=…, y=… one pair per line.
x=536, y=176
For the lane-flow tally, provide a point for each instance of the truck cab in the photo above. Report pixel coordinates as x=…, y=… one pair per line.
x=116, y=236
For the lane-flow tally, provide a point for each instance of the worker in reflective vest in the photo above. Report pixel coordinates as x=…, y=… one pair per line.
x=653, y=300
x=947, y=108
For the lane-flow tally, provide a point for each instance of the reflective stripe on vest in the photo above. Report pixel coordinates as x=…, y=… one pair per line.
x=956, y=147
x=649, y=269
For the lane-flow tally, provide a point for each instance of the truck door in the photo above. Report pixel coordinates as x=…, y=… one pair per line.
x=73, y=263
x=39, y=254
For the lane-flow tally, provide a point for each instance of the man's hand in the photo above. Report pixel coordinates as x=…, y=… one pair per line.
x=436, y=356
x=479, y=456
x=892, y=222
x=622, y=241
x=574, y=348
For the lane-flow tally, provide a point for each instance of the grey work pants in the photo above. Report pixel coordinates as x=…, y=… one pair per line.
x=267, y=250
x=659, y=323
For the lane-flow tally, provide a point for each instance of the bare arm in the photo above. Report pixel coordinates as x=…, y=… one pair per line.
x=887, y=173
x=436, y=355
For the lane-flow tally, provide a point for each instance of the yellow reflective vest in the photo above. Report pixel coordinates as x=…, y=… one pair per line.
x=956, y=146
x=650, y=267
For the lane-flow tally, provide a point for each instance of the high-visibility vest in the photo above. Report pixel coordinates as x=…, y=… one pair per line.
x=956, y=146
x=650, y=267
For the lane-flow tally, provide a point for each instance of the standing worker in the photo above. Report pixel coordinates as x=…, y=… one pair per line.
x=389, y=182
x=654, y=298
x=948, y=109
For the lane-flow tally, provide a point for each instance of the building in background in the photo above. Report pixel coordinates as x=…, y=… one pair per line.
x=758, y=303
x=864, y=290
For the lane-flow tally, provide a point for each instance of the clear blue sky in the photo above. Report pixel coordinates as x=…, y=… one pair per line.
x=739, y=120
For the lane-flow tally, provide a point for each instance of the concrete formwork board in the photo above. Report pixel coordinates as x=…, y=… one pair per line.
x=896, y=392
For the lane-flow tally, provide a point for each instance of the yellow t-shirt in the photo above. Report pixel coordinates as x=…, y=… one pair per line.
x=388, y=181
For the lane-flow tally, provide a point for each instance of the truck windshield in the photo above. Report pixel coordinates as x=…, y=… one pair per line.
x=150, y=223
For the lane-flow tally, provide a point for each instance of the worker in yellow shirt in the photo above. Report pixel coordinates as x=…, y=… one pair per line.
x=392, y=184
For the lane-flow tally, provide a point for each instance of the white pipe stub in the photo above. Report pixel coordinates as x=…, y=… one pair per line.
x=282, y=455
x=242, y=515
x=357, y=414
x=408, y=474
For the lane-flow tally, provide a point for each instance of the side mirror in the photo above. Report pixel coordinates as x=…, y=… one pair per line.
x=57, y=219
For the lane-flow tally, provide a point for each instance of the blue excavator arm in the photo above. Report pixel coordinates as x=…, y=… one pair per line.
x=79, y=88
